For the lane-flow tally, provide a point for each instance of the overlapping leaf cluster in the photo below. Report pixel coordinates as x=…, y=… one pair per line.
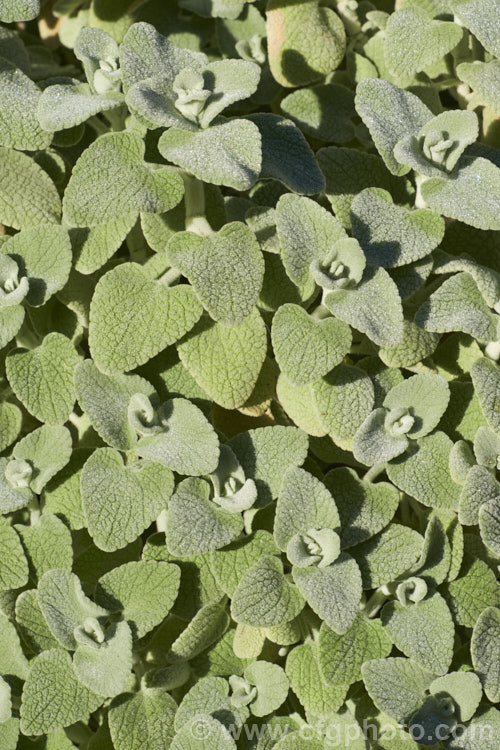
x=250, y=391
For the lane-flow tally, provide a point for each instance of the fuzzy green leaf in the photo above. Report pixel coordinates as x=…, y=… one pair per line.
x=484, y=80
x=133, y=318
x=306, y=349
x=390, y=114
x=19, y=127
x=473, y=590
x=47, y=450
x=485, y=650
x=195, y=524
x=28, y=196
x=121, y=501
x=48, y=545
x=264, y=598
x=482, y=19
x=111, y=180
x=226, y=362
x=53, y=697
x=142, y=717
x=386, y=556
x=486, y=378
x=227, y=153
x=13, y=11
x=470, y=194
x=105, y=665
x=343, y=399
x=390, y=235
x=414, y=42
x=232, y=254
x=13, y=563
x=396, y=685
x=65, y=105
x=318, y=697
x=42, y=378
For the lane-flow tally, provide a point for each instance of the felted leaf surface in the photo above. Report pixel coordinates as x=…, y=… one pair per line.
x=19, y=127
x=121, y=501
x=298, y=403
x=13, y=663
x=111, y=180
x=472, y=591
x=333, y=592
x=348, y=171
x=464, y=688
x=47, y=544
x=425, y=396
x=373, y=444
x=133, y=318
x=10, y=424
x=64, y=605
x=233, y=254
x=143, y=591
x=307, y=682
x=32, y=624
x=42, y=378
x=206, y=627
x=489, y=523
x=373, y=307
x=323, y=111
x=342, y=656
x=486, y=378
x=13, y=563
x=396, y=685
x=306, y=231
x=470, y=194
x=105, y=400
x=187, y=444
x=53, y=697
x=391, y=235
x=303, y=503
x=423, y=473
x=214, y=736
x=142, y=718
x=264, y=598
x=386, y=556
x=305, y=41
x=423, y=631
x=63, y=106
x=11, y=498
x=390, y=113
x=364, y=508
x=227, y=153
x=482, y=19
x=416, y=345
x=226, y=362
x=286, y=155
x=485, y=650
x=195, y=524
x=48, y=450
x=230, y=563
x=306, y=349
x=484, y=79
x=105, y=667
x=19, y=10
x=414, y=42
x=343, y=399
x=43, y=254
x=28, y=196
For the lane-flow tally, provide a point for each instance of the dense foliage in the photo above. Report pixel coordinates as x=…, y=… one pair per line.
x=250, y=399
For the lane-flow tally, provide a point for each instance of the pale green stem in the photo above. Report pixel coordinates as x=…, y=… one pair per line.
x=170, y=277
x=97, y=125
x=320, y=313
x=419, y=201
x=378, y=599
x=374, y=472
x=161, y=521
x=195, y=205
x=35, y=512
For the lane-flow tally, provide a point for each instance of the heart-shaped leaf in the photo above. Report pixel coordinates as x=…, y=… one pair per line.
x=42, y=378
x=226, y=362
x=264, y=598
x=195, y=524
x=392, y=235
x=307, y=349
x=28, y=196
x=233, y=254
x=65, y=105
x=111, y=180
x=186, y=443
x=13, y=564
x=227, y=153
x=121, y=501
x=105, y=665
x=133, y=318
x=413, y=41
x=333, y=592
x=53, y=697
x=137, y=715
x=485, y=650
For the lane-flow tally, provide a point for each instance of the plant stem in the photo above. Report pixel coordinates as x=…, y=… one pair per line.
x=374, y=472
x=195, y=205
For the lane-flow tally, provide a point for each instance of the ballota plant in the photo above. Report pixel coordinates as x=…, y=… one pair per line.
x=250, y=380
